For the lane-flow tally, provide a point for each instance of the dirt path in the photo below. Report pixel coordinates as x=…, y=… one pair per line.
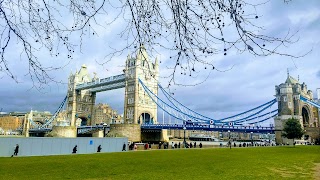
x=316, y=171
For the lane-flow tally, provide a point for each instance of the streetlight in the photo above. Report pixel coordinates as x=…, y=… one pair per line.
x=229, y=139
x=184, y=136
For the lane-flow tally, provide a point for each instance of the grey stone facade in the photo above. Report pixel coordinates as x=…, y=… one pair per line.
x=289, y=105
x=80, y=103
x=138, y=106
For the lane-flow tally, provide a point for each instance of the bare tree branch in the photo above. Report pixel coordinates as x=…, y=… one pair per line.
x=193, y=31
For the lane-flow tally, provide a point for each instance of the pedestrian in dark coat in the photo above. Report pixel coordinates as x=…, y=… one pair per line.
x=99, y=148
x=75, y=149
x=16, y=150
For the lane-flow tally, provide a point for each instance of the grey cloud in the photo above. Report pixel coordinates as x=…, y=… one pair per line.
x=318, y=74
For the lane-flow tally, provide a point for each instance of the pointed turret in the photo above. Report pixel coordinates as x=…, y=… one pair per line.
x=291, y=80
x=142, y=54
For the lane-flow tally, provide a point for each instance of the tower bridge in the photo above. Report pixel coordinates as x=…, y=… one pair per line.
x=142, y=102
x=138, y=108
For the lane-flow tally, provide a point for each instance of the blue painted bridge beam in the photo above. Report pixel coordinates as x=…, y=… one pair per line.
x=209, y=128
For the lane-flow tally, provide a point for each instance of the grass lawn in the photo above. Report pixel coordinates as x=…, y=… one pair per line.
x=301, y=162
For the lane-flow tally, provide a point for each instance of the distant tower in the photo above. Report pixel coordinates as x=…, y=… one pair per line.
x=139, y=107
x=290, y=105
x=80, y=103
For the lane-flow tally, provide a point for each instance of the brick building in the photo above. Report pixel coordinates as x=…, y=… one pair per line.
x=12, y=121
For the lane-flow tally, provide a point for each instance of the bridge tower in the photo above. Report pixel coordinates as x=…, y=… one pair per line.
x=139, y=107
x=80, y=103
x=290, y=105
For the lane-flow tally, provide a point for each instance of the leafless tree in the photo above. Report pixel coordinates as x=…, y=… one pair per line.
x=193, y=31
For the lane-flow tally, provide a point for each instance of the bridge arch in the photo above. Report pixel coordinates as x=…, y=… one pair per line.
x=305, y=112
x=82, y=121
x=145, y=118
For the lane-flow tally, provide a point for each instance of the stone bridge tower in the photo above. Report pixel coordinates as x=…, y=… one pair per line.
x=80, y=103
x=290, y=105
x=139, y=107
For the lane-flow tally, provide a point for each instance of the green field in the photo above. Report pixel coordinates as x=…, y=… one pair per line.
x=301, y=162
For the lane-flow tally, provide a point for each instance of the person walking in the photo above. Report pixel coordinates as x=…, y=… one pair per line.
x=99, y=148
x=75, y=149
x=172, y=145
x=195, y=144
x=124, y=147
x=200, y=145
x=16, y=150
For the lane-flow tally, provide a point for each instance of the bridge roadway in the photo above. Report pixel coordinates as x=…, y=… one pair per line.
x=88, y=129
x=247, y=129
x=113, y=82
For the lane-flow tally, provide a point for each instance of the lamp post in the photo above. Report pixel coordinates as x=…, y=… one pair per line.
x=229, y=139
x=184, y=136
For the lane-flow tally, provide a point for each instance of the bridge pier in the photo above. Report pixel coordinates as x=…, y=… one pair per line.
x=155, y=135
x=99, y=133
x=279, y=125
x=132, y=131
x=63, y=131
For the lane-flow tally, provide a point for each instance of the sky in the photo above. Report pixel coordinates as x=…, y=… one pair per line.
x=250, y=82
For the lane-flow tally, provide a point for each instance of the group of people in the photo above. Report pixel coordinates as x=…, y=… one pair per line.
x=244, y=144
x=175, y=145
x=194, y=145
x=165, y=145
x=133, y=146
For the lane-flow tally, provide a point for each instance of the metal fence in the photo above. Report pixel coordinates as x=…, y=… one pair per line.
x=59, y=146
